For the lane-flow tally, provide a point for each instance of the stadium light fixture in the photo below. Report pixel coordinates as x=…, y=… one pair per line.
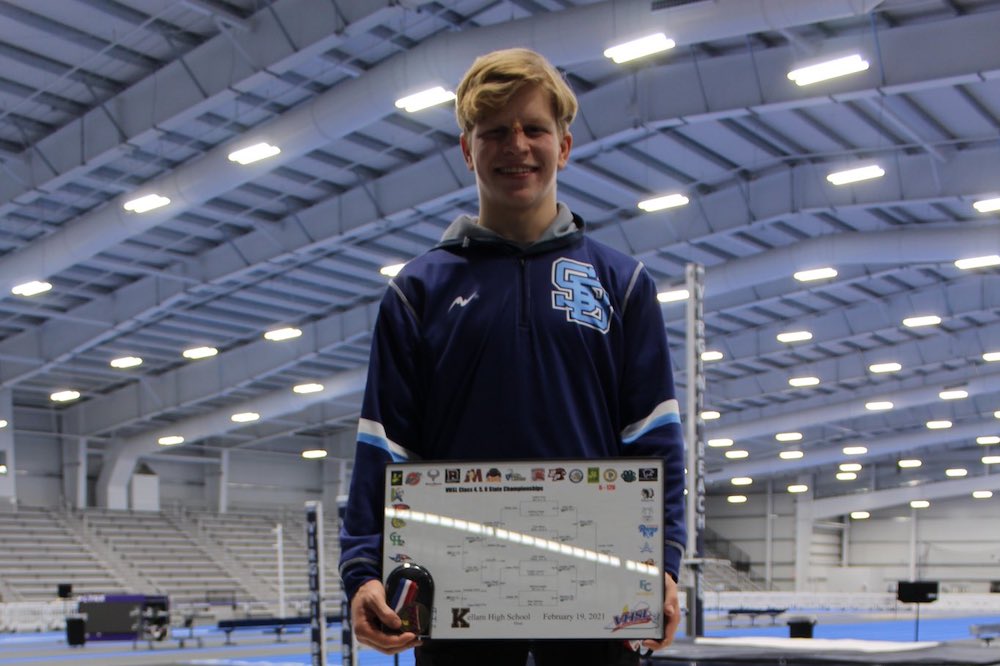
x=828, y=69
x=868, y=172
x=254, y=153
x=146, y=203
x=639, y=48
x=424, y=99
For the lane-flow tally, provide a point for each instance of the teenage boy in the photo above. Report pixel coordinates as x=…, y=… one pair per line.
x=515, y=337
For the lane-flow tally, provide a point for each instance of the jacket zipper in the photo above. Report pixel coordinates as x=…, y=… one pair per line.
x=524, y=320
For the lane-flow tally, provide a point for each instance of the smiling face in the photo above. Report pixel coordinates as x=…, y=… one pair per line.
x=515, y=153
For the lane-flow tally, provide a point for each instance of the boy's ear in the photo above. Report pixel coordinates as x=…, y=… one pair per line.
x=565, y=145
x=466, y=153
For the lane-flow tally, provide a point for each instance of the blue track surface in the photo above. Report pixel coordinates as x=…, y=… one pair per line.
x=828, y=626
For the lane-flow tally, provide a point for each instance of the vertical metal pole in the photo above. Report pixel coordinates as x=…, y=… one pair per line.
x=913, y=543
x=279, y=544
x=769, y=537
x=348, y=641
x=694, y=275
x=314, y=546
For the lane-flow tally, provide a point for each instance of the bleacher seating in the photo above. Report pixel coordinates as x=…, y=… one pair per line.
x=39, y=552
x=161, y=552
x=158, y=551
x=250, y=539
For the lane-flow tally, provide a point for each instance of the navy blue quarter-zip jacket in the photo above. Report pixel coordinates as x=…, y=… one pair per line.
x=484, y=349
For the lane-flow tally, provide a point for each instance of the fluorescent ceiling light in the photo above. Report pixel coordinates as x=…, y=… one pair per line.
x=850, y=467
x=710, y=415
x=639, y=48
x=856, y=175
x=855, y=450
x=978, y=262
x=673, y=296
x=170, y=440
x=392, y=270
x=982, y=494
x=956, y=472
x=3, y=469
x=799, y=382
x=126, y=362
x=280, y=334
x=244, y=417
x=64, y=396
x=712, y=355
x=307, y=388
x=3, y=423
x=922, y=320
x=953, y=394
x=736, y=499
x=878, y=405
x=199, y=352
x=919, y=504
x=996, y=414
x=988, y=439
x=32, y=288
x=885, y=367
x=798, y=488
x=146, y=203
x=720, y=442
x=938, y=425
x=988, y=356
x=662, y=203
x=846, y=476
x=424, y=99
x=860, y=515
x=830, y=69
x=791, y=455
x=991, y=460
x=741, y=481
x=737, y=454
x=788, y=436
x=254, y=153
x=987, y=205
x=815, y=274
x=909, y=464
x=314, y=454
x=794, y=336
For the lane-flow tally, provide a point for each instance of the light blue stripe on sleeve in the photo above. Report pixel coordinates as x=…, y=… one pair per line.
x=372, y=433
x=381, y=443
x=665, y=413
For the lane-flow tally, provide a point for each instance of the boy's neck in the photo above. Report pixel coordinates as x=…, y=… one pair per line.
x=524, y=229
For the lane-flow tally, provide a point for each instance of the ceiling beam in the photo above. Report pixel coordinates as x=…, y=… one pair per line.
x=354, y=104
x=211, y=74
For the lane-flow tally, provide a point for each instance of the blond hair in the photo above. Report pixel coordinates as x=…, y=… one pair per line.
x=496, y=77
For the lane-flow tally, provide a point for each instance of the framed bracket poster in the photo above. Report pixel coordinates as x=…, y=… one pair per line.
x=528, y=549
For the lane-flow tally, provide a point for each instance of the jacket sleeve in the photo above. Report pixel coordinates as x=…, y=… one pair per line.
x=387, y=429
x=650, y=412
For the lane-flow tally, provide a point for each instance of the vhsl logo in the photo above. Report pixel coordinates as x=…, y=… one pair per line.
x=629, y=618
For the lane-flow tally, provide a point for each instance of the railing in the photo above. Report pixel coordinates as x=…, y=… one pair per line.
x=727, y=550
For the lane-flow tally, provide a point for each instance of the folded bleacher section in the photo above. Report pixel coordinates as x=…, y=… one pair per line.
x=38, y=552
x=197, y=558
